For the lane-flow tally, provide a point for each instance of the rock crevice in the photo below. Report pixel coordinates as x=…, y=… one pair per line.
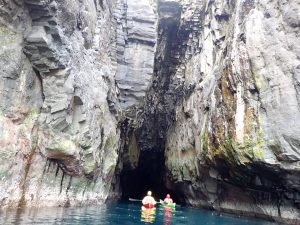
x=97, y=94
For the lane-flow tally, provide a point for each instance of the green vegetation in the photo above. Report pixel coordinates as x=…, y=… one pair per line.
x=183, y=166
x=235, y=153
x=111, y=154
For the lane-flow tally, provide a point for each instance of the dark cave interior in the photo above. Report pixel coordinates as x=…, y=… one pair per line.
x=149, y=175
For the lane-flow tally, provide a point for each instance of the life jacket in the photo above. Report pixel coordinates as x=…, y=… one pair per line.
x=148, y=206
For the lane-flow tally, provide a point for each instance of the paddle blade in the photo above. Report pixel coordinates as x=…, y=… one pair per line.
x=134, y=200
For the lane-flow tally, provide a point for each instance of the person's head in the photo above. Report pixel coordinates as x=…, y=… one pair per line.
x=149, y=193
x=168, y=196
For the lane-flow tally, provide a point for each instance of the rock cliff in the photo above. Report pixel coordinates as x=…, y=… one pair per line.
x=199, y=96
x=223, y=105
x=59, y=109
x=136, y=38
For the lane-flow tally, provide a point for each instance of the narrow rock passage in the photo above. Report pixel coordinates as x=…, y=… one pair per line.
x=158, y=112
x=103, y=99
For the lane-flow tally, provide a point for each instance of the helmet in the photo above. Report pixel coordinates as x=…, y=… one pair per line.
x=149, y=193
x=168, y=196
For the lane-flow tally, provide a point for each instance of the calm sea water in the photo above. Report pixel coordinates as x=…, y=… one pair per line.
x=122, y=214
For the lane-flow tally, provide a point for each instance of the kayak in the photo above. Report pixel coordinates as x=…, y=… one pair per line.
x=148, y=206
x=169, y=205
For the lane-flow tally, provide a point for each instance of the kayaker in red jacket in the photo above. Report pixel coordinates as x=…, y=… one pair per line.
x=168, y=199
x=148, y=201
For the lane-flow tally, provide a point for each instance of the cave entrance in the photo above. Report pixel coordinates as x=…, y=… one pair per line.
x=147, y=176
x=150, y=171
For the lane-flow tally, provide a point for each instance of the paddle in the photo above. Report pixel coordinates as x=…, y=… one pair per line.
x=134, y=200
x=138, y=200
x=159, y=202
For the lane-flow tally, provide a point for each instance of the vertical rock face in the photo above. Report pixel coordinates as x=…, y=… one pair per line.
x=136, y=38
x=136, y=45
x=59, y=109
x=65, y=67
x=224, y=103
x=202, y=94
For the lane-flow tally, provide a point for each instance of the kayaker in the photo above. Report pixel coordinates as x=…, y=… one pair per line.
x=148, y=201
x=168, y=199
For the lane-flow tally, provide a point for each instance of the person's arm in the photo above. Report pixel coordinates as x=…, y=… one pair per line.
x=153, y=201
x=144, y=201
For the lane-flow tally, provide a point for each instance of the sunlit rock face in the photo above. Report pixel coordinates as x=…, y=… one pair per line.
x=59, y=110
x=225, y=102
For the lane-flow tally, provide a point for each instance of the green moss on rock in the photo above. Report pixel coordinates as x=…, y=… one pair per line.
x=182, y=166
x=89, y=163
x=111, y=154
x=235, y=153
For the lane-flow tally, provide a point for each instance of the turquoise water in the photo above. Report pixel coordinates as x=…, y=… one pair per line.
x=123, y=214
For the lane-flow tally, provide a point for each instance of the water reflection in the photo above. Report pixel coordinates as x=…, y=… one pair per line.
x=27, y=216
x=54, y=216
x=148, y=215
x=168, y=212
x=121, y=214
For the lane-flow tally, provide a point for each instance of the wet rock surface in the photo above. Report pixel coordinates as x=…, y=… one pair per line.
x=222, y=104
x=199, y=97
x=59, y=108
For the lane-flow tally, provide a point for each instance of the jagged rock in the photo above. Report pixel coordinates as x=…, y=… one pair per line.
x=38, y=35
x=239, y=117
x=202, y=94
x=55, y=118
